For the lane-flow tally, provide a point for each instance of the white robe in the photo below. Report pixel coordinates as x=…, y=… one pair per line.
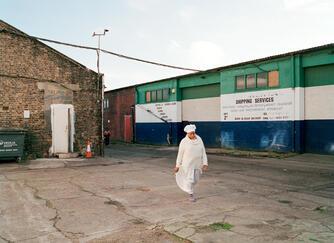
x=190, y=159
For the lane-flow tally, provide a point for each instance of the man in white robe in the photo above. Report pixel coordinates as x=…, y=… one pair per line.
x=190, y=162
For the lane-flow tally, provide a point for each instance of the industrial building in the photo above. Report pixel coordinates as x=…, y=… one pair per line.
x=119, y=117
x=56, y=100
x=279, y=103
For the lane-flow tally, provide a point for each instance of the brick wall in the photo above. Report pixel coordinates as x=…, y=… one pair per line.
x=32, y=77
x=120, y=103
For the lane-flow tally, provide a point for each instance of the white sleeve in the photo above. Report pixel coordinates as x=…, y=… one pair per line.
x=180, y=154
x=204, y=157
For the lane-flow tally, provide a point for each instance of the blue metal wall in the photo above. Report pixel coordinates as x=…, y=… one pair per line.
x=261, y=135
x=156, y=133
x=319, y=136
x=258, y=135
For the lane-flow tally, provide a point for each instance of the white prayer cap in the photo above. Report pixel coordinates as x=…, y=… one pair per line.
x=190, y=128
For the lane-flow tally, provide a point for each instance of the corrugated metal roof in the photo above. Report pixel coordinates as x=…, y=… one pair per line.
x=293, y=53
x=302, y=51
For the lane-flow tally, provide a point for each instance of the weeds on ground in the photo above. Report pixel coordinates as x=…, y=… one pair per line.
x=220, y=226
x=321, y=209
x=312, y=239
x=285, y=201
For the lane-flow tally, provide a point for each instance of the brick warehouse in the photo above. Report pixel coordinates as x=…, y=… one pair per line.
x=56, y=99
x=119, y=114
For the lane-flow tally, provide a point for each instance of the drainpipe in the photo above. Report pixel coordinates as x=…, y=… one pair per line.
x=298, y=81
x=178, y=99
x=298, y=104
x=134, y=114
x=101, y=76
x=294, y=101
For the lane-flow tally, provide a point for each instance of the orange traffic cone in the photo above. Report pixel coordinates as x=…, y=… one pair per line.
x=88, y=150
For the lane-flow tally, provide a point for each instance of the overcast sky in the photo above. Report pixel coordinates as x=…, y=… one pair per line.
x=190, y=33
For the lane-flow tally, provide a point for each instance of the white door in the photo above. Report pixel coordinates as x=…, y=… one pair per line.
x=62, y=123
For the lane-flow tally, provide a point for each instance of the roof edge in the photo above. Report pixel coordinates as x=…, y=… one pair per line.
x=211, y=70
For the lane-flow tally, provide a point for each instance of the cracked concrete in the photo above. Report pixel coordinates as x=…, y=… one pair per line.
x=49, y=205
x=131, y=196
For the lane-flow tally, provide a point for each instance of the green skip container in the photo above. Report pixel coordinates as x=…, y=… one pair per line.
x=11, y=143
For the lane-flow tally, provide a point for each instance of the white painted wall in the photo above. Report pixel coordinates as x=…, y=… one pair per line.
x=299, y=104
x=204, y=109
x=319, y=102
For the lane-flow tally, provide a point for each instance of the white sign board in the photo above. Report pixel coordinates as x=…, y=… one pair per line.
x=158, y=112
x=272, y=105
x=26, y=114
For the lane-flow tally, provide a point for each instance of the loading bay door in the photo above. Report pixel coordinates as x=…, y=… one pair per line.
x=319, y=109
x=201, y=103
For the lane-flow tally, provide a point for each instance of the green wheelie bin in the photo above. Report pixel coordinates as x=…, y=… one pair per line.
x=11, y=143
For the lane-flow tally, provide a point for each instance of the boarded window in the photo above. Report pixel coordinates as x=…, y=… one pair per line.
x=154, y=96
x=250, y=81
x=165, y=94
x=262, y=79
x=159, y=95
x=148, y=96
x=273, y=79
x=240, y=82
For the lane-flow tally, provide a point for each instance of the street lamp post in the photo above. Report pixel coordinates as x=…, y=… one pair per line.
x=102, y=83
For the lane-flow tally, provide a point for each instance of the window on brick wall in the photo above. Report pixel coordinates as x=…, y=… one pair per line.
x=106, y=103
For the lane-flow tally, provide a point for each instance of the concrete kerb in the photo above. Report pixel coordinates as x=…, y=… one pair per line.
x=218, y=151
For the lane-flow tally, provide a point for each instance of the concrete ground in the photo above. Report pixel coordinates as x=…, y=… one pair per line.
x=131, y=196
